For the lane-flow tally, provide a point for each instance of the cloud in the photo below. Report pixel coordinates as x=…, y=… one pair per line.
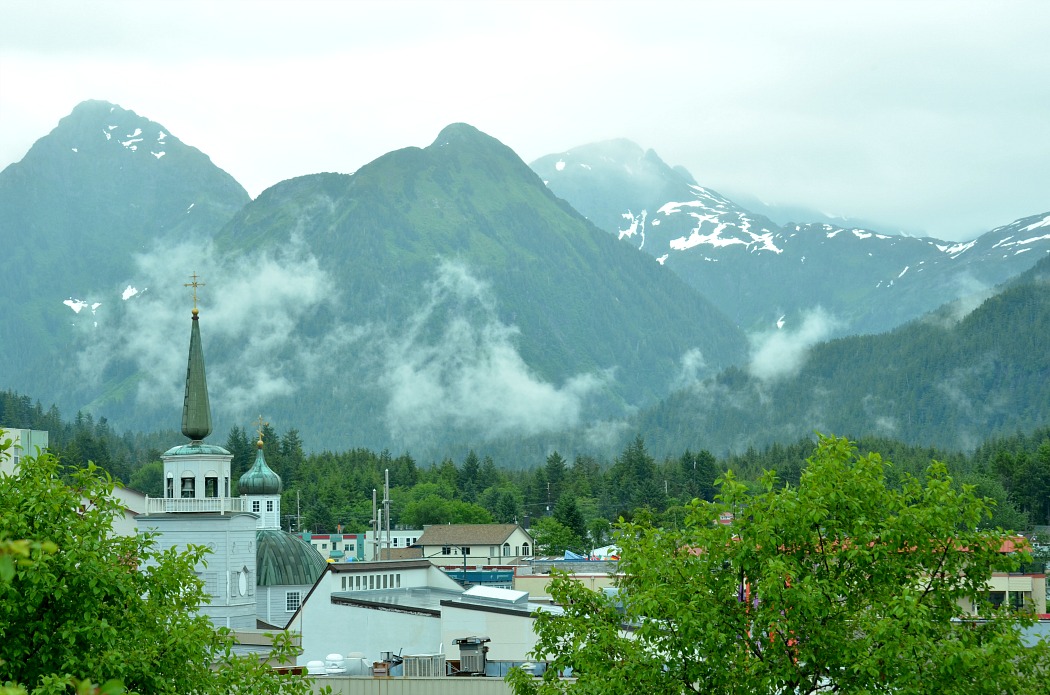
x=781, y=353
x=455, y=365
x=690, y=370
x=252, y=309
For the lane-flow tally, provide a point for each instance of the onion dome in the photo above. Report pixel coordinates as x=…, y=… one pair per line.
x=259, y=479
x=285, y=560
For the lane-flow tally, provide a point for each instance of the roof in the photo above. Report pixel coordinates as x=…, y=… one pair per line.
x=285, y=560
x=468, y=534
x=196, y=449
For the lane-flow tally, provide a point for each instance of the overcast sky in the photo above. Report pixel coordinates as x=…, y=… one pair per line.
x=928, y=116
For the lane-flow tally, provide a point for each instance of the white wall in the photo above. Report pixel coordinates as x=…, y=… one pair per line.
x=512, y=635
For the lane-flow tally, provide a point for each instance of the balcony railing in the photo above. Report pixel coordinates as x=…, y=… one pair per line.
x=220, y=505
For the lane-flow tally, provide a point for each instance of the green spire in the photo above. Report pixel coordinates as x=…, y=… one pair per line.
x=196, y=411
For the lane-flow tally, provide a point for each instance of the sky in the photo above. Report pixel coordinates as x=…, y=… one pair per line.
x=925, y=116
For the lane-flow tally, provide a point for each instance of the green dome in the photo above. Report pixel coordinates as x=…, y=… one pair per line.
x=286, y=560
x=259, y=479
x=196, y=448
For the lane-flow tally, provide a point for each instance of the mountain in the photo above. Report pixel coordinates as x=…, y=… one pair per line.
x=762, y=274
x=103, y=185
x=949, y=379
x=437, y=295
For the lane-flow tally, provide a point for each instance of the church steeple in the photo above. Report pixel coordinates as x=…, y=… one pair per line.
x=196, y=410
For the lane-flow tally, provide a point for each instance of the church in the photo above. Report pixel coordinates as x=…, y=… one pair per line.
x=255, y=573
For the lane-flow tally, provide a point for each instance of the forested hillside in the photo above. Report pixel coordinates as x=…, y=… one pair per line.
x=569, y=503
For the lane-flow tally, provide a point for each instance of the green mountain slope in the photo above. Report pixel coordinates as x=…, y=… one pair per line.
x=941, y=380
x=423, y=246
x=104, y=185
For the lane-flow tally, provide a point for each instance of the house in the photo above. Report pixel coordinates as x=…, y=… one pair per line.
x=460, y=545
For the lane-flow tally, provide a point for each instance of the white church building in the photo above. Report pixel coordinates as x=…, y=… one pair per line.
x=255, y=573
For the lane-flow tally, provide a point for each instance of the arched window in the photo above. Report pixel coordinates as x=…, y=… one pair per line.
x=506, y=549
x=525, y=549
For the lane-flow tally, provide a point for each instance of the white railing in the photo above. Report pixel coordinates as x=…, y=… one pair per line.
x=221, y=505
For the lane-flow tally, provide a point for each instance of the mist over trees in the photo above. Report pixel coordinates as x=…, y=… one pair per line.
x=571, y=504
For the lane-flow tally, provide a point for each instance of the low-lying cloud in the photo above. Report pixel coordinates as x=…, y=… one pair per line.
x=780, y=354
x=455, y=365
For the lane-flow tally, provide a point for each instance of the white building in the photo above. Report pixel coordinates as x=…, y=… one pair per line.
x=253, y=567
x=474, y=545
x=23, y=443
x=408, y=608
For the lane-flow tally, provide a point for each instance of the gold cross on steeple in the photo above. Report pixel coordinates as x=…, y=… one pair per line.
x=261, y=423
x=194, y=285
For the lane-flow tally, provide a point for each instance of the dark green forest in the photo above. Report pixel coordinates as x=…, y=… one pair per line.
x=567, y=504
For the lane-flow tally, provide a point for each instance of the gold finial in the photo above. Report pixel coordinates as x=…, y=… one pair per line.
x=261, y=424
x=194, y=285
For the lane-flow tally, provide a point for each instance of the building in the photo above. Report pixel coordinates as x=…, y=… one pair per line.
x=254, y=571
x=473, y=545
x=409, y=608
x=23, y=443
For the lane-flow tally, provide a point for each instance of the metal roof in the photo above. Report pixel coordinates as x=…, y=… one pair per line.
x=285, y=560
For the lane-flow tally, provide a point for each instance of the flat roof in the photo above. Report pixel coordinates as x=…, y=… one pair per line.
x=411, y=600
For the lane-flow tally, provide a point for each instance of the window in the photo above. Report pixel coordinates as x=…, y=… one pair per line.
x=398, y=575
x=292, y=600
x=227, y=486
x=344, y=583
x=211, y=487
x=255, y=506
x=465, y=550
x=189, y=488
x=335, y=545
x=447, y=550
x=170, y=489
x=371, y=582
x=384, y=581
x=324, y=546
x=395, y=541
x=525, y=549
x=492, y=551
x=506, y=549
x=357, y=582
x=269, y=505
x=350, y=547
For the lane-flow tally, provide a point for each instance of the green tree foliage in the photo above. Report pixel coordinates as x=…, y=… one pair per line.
x=82, y=602
x=841, y=584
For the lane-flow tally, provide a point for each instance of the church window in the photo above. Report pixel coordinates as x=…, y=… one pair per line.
x=189, y=488
x=255, y=506
x=292, y=600
x=269, y=505
x=170, y=489
x=211, y=487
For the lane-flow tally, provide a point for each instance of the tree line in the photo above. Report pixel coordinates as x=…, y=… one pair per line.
x=567, y=504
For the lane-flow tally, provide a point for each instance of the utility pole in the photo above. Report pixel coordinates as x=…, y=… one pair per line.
x=386, y=509
x=375, y=528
